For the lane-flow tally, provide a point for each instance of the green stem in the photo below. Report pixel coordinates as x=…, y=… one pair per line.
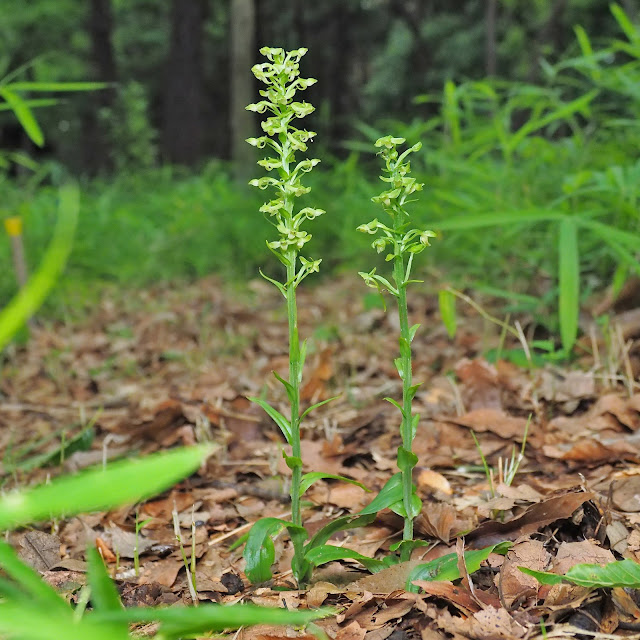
x=294, y=380
x=405, y=366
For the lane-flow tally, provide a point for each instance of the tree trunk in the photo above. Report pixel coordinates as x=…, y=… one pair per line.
x=96, y=147
x=242, y=86
x=491, y=56
x=183, y=125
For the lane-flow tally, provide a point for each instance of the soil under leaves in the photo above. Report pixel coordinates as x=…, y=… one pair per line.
x=169, y=367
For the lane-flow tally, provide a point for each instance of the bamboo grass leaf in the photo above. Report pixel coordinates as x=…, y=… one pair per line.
x=569, y=282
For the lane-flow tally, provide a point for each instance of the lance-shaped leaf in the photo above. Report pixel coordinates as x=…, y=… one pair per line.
x=100, y=489
x=329, y=553
x=446, y=569
x=389, y=494
x=622, y=573
x=309, y=478
x=277, y=417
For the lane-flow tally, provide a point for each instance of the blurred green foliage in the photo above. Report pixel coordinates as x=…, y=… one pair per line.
x=510, y=167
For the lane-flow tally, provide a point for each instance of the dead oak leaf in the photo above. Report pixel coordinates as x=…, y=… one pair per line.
x=534, y=518
x=492, y=420
x=514, y=583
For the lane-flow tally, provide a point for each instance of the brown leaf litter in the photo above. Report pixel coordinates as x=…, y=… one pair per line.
x=174, y=367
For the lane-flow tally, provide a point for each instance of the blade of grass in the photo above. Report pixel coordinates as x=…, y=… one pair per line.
x=569, y=282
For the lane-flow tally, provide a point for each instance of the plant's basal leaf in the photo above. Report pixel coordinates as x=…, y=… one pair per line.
x=104, y=595
x=624, y=573
x=101, y=488
x=309, y=478
x=389, y=494
x=259, y=552
x=416, y=506
x=446, y=567
x=328, y=553
x=569, y=276
x=277, y=417
x=411, y=544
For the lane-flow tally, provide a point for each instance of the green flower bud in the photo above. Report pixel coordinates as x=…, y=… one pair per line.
x=310, y=213
x=259, y=107
x=379, y=245
x=371, y=227
x=260, y=143
x=270, y=163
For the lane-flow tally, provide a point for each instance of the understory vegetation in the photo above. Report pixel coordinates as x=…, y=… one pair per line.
x=506, y=166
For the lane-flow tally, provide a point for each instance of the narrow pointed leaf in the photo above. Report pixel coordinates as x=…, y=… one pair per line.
x=329, y=553
x=277, y=417
x=104, y=595
x=36, y=590
x=277, y=284
x=24, y=115
x=309, y=478
x=259, y=552
x=343, y=523
x=316, y=405
x=59, y=86
x=569, y=275
x=414, y=389
x=179, y=622
x=389, y=494
x=291, y=392
x=621, y=574
x=446, y=569
x=100, y=489
x=33, y=294
x=395, y=403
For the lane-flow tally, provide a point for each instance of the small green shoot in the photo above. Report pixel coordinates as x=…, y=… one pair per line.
x=140, y=524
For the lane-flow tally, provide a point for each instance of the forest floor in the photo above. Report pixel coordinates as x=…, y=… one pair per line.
x=166, y=367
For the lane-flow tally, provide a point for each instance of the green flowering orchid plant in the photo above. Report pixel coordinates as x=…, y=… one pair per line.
x=402, y=244
x=284, y=139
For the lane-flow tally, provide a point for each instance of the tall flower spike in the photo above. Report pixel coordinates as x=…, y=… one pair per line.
x=281, y=75
x=403, y=245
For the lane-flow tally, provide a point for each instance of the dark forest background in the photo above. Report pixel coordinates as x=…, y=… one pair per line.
x=181, y=67
x=528, y=112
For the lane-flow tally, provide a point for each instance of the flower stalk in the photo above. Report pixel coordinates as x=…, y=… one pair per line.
x=402, y=245
x=284, y=139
